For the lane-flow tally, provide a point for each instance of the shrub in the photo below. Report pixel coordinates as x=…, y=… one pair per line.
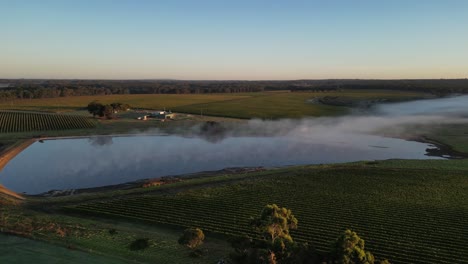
x=192, y=238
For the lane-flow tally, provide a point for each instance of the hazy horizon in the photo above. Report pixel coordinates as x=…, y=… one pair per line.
x=241, y=40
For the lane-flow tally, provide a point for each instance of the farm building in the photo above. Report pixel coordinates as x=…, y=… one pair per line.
x=162, y=115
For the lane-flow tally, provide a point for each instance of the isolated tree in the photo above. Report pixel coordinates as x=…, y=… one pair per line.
x=192, y=238
x=95, y=108
x=349, y=249
x=273, y=224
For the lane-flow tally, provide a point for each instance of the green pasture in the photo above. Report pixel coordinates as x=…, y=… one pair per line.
x=148, y=101
x=17, y=250
x=281, y=104
x=98, y=242
x=291, y=105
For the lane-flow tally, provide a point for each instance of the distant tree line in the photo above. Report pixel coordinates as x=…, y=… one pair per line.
x=29, y=88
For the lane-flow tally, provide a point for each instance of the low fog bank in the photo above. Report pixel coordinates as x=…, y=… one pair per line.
x=403, y=120
x=448, y=106
x=395, y=119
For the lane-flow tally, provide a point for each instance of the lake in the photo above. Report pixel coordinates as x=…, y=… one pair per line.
x=98, y=161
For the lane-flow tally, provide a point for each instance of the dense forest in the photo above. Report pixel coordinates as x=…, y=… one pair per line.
x=11, y=89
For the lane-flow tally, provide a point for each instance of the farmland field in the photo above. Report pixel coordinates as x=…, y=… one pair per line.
x=244, y=105
x=149, y=101
x=24, y=121
x=407, y=215
x=292, y=105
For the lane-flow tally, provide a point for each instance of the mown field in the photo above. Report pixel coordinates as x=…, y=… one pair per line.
x=24, y=121
x=406, y=213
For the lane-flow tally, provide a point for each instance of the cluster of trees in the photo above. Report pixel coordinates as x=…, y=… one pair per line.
x=97, y=109
x=276, y=245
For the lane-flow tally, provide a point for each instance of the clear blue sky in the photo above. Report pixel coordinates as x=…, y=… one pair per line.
x=238, y=39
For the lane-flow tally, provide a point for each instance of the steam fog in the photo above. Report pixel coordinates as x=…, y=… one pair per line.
x=98, y=161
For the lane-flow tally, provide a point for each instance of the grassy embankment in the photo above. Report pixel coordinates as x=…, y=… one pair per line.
x=14, y=249
x=455, y=135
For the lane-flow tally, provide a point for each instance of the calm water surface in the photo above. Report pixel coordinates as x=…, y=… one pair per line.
x=98, y=161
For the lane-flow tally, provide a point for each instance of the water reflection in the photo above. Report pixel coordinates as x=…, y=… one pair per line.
x=101, y=140
x=81, y=163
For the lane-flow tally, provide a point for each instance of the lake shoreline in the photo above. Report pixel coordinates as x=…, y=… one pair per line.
x=440, y=150
x=13, y=150
x=150, y=182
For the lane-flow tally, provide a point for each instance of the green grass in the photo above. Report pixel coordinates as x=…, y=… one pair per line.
x=438, y=165
x=406, y=213
x=149, y=101
x=21, y=250
x=91, y=241
x=23, y=121
x=244, y=105
x=163, y=245
x=452, y=135
x=455, y=135
x=290, y=105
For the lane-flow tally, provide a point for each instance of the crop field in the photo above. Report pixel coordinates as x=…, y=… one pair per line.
x=266, y=105
x=24, y=121
x=291, y=105
x=405, y=215
x=148, y=101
